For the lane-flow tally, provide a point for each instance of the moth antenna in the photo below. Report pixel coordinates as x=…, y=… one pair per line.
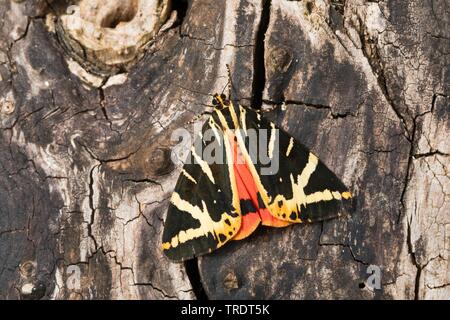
x=223, y=89
x=231, y=87
x=200, y=115
x=221, y=99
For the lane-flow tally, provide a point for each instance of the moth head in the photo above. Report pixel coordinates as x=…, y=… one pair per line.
x=220, y=101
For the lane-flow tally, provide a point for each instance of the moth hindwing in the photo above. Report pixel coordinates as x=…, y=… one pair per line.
x=224, y=195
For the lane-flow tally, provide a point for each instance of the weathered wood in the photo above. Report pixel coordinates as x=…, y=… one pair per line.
x=85, y=170
x=340, y=77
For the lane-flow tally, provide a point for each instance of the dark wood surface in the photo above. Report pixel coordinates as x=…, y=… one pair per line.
x=85, y=173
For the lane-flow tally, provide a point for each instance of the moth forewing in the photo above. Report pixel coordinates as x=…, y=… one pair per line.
x=283, y=183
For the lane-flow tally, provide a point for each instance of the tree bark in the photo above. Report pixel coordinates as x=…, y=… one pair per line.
x=85, y=169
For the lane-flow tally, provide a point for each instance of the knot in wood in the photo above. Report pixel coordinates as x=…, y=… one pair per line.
x=28, y=269
x=7, y=106
x=160, y=162
x=106, y=36
x=230, y=281
x=280, y=59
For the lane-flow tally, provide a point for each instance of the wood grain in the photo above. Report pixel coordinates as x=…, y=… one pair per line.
x=85, y=172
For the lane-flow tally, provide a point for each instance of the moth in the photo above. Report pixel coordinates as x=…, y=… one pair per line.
x=215, y=202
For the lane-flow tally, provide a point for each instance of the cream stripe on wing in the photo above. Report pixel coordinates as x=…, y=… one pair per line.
x=204, y=165
x=273, y=133
x=213, y=126
x=222, y=120
x=234, y=116
x=308, y=170
x=202, y=215
x=229, y=155
x=187, y=175
x=326, y=195
x=299, y=198
x=290, y=146
x=243, y=120
x=207, y=224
